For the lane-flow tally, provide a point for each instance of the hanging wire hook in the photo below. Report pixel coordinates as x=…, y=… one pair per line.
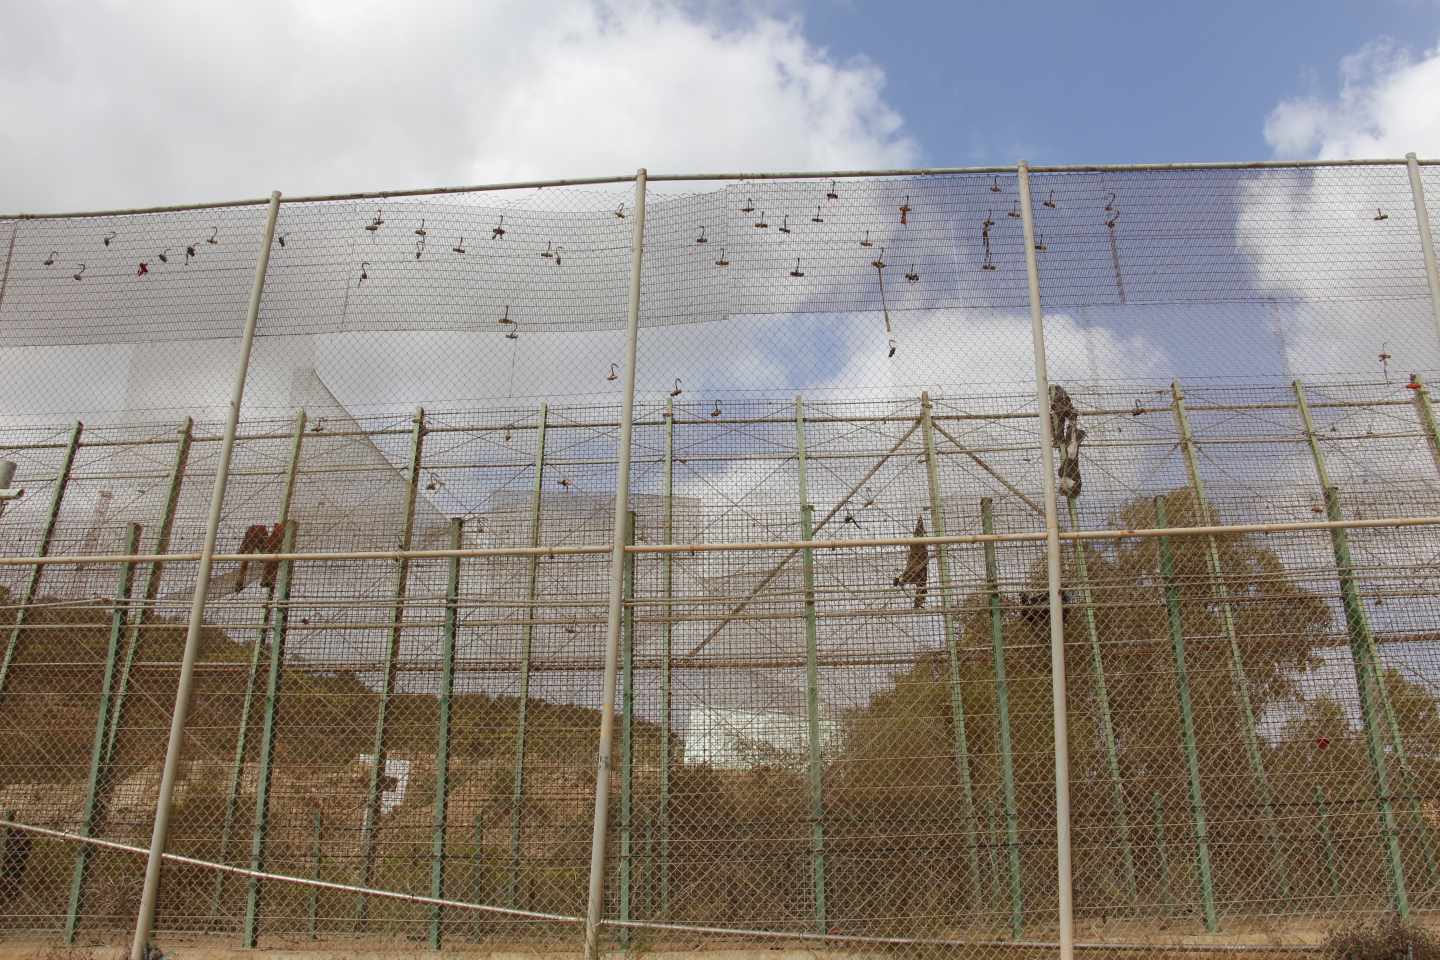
x=419, y=247
x=214, y=232
x=549, y=250
x=676, y=391
x=995, y=183
x=505, y=317
x=280, y=239
x=701, y=238
x=912, y=276
x=817, y=218
x=1385, y=359
x=785, y=224
x=749, y=206
x=614, y=373
x=797, y=271
x=761, y=222
x=109, y=236
x=892, y=349
x=1014, y=211
x=1381, y=214
x=905, y=211
x=866, y=242
x=879, y=262
x=189, y=253
x=1050, y=201
x=363, y=275
x=1109, y=202
x=420, y=230
x=459, y=247
x=715, y=411
x=1114, y=217
x=722, y=262
x=498, y=231
x=144, y=269
x=1040, y=242
x=832, y=195
x=620, y=212
x=374, y=225
x=80, y=273
x=164, y=255
x=50, y=260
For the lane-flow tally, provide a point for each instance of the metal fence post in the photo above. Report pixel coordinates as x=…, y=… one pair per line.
x=1102, y=701
x=1187, y=719
x=146, y=914
x=667, y=578
x=815, y=766
x=153, y=576
x=279, y=621
x=442, y=736
x=1002, y=718
x=252, y=677
x=1370, y=684
x=527, y=639
x=93, y=790
x=373, y=796
x=627, y=736
x=1427, y=242
x=1063, y=886
x=47, y=536
x=595, y=900
x=1238, y=677
x=952, y=650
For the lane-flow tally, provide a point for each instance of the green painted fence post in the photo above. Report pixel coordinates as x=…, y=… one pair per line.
x=373, y=796
x=815, y=767
x=1187, y=720
x=953, y=630
x=37, y=572
x=667, y=583
x=278, y=624
x=1102, y=701
x=627, y=734
x=1238, y=678
x=1002, y=710
x=90, y=813
x=442, y=741
x=527, y=639
x=252, y=677
x=1369, y=684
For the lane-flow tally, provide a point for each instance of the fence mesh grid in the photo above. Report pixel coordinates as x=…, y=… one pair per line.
x=854, y=741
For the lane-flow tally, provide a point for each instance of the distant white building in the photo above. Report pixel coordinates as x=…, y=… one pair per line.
x=741, y=739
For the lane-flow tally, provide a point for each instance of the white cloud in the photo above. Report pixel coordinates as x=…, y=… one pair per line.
x=1385, y=108
x=170, y=102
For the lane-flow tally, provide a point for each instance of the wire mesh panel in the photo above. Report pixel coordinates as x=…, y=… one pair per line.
x=835, y=707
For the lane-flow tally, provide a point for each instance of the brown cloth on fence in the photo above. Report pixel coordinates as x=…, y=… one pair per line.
x=260, y=539
x=917, y=566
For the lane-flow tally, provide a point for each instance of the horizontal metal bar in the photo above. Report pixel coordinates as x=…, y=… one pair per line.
x=1299, y=526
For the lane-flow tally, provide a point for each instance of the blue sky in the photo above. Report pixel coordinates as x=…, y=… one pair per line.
x=1117, y=82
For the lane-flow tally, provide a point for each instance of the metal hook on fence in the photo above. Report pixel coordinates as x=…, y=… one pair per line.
x=565, y=482
x=549, y=250
x=419, y=247
x=498, y=231
x=459, y=247
x=558, y=251
x=869, y=496
x=905, y=211
x=715, y=411
x=164, y=255
x=701, y=238
x=374, y=225
x=1381, y=214
x=420, y=230
x=879, y=262
x=749, y=206
x=505, y=317
x=214, y=232
x=620, y=211
x=363, y=275
x=80, y=273
x=892, y=349
x=785, y=224
x=866, y=242
x=512, y=334
x=108, y=237
x=435, y=482
x=797, y=272
x=722, y=262
x=912, y=276
x=280, y=239
x=988, y=222
x=761, y=222
x=614, y=373
x=831, y=194
x=987, y=263
x=676, y=391
x=1014, y=211
x=1385, y=360
x=50, y=260
x=1040, y=242
x=817, y=218
x=1109, y=202
x=1050, y=201
x=995, y=183
x=189, y=253
x=144, y=269
x=1114, y=218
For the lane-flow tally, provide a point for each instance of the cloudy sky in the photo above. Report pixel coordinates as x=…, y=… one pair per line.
x=119, y=103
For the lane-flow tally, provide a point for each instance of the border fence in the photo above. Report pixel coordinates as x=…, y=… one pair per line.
x=1016, y=560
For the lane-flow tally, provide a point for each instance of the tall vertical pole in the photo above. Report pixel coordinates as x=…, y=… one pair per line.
x=1427, y=242
x=667, y=584
x=374, y=796
x=146, y=915
x=1238, y=678
x=527, y=639
x=1064, y=891
x=1187, y=719
x=1102, y=702
x=90, y=812
x=279, y=622
x=952, y=649
x=595, y=900
x=1426, y=411
x=627, y=737
x=1002, y=711
x=153, y=576
x=47, y=536
x=1369, y=685
x=815, y=767
x=442, y=736
x=252, y=676
x=10, y=254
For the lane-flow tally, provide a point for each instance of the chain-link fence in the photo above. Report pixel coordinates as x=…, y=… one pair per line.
x=681, y=563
